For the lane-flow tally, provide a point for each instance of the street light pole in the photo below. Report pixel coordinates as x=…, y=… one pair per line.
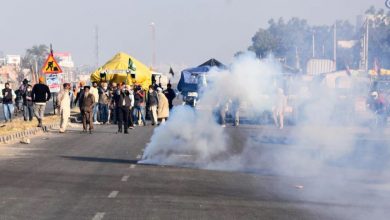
x=153, y=26
x=313, y=45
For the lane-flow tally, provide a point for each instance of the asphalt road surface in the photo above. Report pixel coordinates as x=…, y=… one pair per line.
x=82, y=176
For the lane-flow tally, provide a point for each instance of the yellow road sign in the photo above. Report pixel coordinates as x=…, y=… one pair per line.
x=51, y=66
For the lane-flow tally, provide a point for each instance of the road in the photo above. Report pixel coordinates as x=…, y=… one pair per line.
x=82, y=176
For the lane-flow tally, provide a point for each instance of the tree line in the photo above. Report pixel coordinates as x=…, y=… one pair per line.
x=292, y=41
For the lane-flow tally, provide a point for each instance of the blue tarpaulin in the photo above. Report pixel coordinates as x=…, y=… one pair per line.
x=193, y=78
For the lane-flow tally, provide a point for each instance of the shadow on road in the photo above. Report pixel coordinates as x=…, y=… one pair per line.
x=100, y=160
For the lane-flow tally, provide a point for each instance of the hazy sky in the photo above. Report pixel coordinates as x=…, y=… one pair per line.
x=187, y=31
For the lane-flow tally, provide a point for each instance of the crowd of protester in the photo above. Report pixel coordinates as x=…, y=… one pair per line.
x=121, y=104
x=129, y=106
x=27, y=99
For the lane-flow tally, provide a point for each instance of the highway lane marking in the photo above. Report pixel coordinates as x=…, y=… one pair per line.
x=113, y=194
x=125, y=178
x=132, y=166
x=99, y=216
x=139, y=156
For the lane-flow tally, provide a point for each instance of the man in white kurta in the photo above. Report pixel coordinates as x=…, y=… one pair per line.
x=64, y=106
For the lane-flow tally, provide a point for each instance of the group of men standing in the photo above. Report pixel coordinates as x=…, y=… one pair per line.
x=34, y=100
x=121, y=104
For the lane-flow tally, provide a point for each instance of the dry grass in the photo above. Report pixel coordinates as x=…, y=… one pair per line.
x=20, y=125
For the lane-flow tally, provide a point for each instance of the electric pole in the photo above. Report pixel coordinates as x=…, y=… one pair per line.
x=335, y=44
x=313, y=45
x=96, y=46
x=153, y=26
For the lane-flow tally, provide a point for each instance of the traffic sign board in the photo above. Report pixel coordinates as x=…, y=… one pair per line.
x=51, y=66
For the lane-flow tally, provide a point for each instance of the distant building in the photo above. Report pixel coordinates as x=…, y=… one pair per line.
x=2, y=61
x=66, y=63
x=9, y=73
x=65, y=59
x=13, y=60
x=318, y=66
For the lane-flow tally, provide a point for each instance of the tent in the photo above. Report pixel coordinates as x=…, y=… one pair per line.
x=124, y=68
x=213, y=62
x=193, y=78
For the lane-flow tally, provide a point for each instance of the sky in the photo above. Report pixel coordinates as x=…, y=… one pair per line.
x=188, y=32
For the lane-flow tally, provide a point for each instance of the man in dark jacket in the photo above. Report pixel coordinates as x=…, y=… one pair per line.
x=8, y=107
x=28, y=105
x=40, y=95
x=153, y=104
x=20, y=96
x=78, y=99
x=139, y=106
x=170, y=94
x=87, y=101
x=123, y=104
x=104, y=101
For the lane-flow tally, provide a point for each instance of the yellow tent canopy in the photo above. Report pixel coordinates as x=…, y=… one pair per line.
x=383, y=72
x=117, y=70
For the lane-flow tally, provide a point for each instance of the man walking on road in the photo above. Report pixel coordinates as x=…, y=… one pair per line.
x=87, y=102
x=78, y=99
x=131, y=109
x=63, y=100
x=123, y=104
x=8, y=107
x=104, y=101
x=153, y=104
x=28, y=105
x=279, y=107
x=170, y=94
x=139, y=106
x=40, y=95
x=95, y=93
x=163, y=106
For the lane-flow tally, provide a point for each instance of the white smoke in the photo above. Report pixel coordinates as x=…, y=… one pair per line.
x=319, y=147
x=194, y=136
x=196, y=133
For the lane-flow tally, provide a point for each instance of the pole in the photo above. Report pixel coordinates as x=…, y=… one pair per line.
x=313, y=45
x=335, y=45
x=96, y=46
x=366, y=52
x=153, y=26
x=297, y=60
x=36, y=75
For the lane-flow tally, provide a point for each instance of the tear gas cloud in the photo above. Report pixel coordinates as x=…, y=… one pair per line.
x=321, y=146
x=253, y=82
x=191, y=132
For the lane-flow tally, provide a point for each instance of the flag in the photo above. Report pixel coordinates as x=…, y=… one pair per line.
x=131, y=65
x=171, y=71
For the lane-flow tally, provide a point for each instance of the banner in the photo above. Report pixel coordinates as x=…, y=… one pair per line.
x=53, y=82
